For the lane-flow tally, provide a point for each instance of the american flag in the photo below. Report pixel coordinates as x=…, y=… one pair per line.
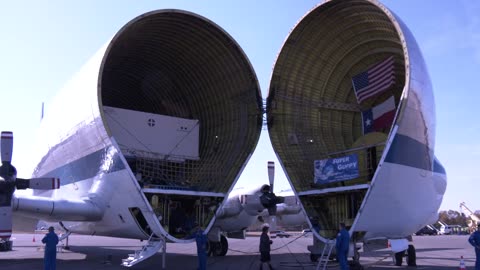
x=375, y=80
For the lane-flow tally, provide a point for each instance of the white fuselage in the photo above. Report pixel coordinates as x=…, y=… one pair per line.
x=317, y=116
x=102, y=134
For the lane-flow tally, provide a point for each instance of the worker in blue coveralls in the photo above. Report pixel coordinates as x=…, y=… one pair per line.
x=201, y=240
x=342, y=245
x=50, y=240
x=474, y=240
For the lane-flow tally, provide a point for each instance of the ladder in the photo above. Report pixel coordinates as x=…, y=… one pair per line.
x=327, y=250
x=151, y=248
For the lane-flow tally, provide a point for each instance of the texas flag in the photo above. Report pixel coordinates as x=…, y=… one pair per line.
x=379, y=117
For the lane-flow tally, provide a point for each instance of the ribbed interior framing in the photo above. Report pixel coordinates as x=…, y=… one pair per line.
x=180, y=64
x=312, y=109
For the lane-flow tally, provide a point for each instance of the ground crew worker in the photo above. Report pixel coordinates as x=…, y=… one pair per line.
x=201, y=240
x=264, y=248
x=342, y=244
x=474, y=240
x=50, y=240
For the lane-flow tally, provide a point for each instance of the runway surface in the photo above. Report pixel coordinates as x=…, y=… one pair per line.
x=94, y=252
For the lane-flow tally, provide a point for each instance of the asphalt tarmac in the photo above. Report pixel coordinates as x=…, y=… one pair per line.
x=95, y=252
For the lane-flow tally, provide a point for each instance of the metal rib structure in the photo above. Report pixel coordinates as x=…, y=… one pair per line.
x=166, y=74
x=313, y=112
x=179, y=64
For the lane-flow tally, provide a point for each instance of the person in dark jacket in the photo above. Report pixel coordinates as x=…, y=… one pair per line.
x=265, y=243
x=50, y=240
x=201, y=239
x=474, y=240
x=342, y=245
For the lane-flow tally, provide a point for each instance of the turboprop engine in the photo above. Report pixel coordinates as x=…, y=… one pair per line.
x=9, y=183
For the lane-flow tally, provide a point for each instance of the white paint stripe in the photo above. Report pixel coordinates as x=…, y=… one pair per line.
x=182, y=192
x=386, y=106
x=336, y=189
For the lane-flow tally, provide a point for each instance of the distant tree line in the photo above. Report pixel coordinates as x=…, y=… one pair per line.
x=452, y=217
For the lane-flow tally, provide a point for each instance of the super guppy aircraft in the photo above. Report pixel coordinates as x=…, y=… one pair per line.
x=351, y=117
x=148, y=138
x=154, y=131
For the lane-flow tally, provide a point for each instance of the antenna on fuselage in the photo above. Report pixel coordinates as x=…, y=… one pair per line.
x=41, y=113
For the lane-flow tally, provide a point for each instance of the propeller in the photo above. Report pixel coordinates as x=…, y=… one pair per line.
x=9, y=182
x=7, y=171
x=271, y=174
x=268, y=199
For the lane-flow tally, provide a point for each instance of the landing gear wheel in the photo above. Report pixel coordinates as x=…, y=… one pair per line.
x=356, y=256
x=215, y=249
x=6, y=245
x=411, y=256
x=219, y=248
x=355, y=264
x=210, y=248
x=398, y=258
x=224, y=245
x=313, y=257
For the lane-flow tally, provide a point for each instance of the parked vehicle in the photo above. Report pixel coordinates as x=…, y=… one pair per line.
x=307, y=232
x=444, y=228
x=427, y=230
x=280, y=234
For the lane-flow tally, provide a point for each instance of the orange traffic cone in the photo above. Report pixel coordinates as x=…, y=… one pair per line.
x=462, y=264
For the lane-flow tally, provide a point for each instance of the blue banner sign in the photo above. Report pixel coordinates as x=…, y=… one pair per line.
x=336, y=169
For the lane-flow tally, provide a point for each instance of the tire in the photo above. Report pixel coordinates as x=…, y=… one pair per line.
x=398, y=258
x=411, y=256
x=313, y=257
x=224, y=245
x=210, y=246
x=356, y=256
x=219, y=248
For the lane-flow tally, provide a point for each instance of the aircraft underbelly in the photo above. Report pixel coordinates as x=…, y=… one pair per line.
x=23, y=224
x=243, y=220
x=292, y=220
x=400, y=201
x=126, y=122
x=118, y=194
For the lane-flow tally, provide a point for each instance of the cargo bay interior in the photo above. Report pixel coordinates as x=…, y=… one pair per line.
x=312, y=109
x=183, y=102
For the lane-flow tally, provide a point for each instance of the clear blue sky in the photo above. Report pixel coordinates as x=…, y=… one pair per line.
x=43, y=43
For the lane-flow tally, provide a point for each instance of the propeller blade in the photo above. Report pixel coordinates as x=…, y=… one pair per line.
x=45, y=183
x=5, y=222
x=6, y=146
x=271, y=174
